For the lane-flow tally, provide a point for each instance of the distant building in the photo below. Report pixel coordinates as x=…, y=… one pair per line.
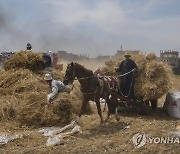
x=5, y=56
x=102, y=58
x=171, y=58
x=63, y=55
x=121, y=52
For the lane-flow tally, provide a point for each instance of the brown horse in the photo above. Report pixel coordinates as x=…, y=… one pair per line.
x=92, y=87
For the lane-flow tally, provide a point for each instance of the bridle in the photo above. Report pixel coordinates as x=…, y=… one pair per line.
x=72, y=77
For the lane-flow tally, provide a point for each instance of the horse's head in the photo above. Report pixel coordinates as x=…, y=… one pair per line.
x=70, y=74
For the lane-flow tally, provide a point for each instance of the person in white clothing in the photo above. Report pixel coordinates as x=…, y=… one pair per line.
x=56, y=87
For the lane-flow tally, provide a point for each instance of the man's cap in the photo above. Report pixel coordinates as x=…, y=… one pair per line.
x=48, y=77
x=127, y=54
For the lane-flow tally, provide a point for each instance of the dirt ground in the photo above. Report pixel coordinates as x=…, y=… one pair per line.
x=109, y=138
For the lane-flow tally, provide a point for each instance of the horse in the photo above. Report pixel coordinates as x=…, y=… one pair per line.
x=92, y=87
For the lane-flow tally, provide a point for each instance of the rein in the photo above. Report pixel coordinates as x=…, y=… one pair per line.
x=75, y=78
x=129, y=88
x=84, y=78
x=126, y=73
x=104, y=76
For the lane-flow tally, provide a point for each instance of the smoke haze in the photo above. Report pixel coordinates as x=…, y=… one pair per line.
x=90, y=27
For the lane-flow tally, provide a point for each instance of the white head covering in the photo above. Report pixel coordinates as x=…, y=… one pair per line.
x=48, y=77
x=50, y=53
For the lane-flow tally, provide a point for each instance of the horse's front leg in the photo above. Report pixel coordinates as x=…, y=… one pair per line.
x=117, y=114
x=83, y=106
x=99, y=110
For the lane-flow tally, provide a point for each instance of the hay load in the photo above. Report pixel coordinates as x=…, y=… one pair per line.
x=26, y=60
x=24, y=97
x=154, y=82
x=153, y=79
x=109, y=69
x=151, y=56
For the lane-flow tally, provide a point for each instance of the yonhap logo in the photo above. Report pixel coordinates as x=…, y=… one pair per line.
x=140, y=139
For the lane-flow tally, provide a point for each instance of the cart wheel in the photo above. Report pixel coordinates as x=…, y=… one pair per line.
x=154, y=104
x=145, y=108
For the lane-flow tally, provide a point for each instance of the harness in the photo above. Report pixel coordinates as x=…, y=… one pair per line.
x=112, y=83
x=110, y=80
x=120, y=75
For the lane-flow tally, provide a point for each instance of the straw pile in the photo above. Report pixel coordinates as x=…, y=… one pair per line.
x=153, y=78
x=151, y=56
x=110, y=66
x=26, y=60
x=24, y=97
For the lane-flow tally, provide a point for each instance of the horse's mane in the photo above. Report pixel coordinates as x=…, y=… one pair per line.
x=83, y=68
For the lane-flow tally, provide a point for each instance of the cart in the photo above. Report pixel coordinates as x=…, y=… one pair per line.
x=115, y=101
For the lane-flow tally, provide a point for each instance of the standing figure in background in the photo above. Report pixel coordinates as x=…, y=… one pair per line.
x=126, y=69
x=29, y=46
x=48, y=61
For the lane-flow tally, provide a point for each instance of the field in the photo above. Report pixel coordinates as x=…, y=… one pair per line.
x=110, y=137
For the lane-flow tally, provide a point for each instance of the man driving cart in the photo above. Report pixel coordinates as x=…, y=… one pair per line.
x=126, y=71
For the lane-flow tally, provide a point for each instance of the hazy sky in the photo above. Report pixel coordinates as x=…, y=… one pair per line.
x=90, y=26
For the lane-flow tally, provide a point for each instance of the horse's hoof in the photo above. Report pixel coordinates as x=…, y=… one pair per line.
x=117, y=118
x=102, y=121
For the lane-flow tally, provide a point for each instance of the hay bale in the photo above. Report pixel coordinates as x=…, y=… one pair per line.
x=157, y=80
x=22, y=80
x=57, y=74
x=151, y=56
x=26, y=60
x=153, y=79
x=24, y=96
x=110, y=66
x=36, y=113
x=30, y=109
